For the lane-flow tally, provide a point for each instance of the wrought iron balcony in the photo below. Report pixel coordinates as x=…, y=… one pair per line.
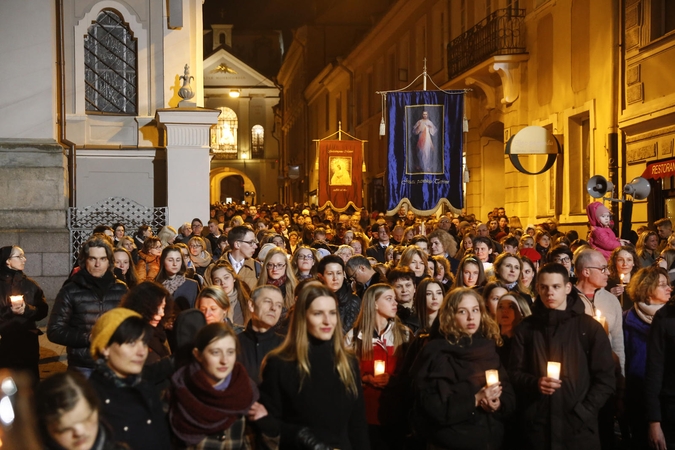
x=500, y=33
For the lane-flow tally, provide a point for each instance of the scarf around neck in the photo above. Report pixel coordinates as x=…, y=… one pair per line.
x=202, y=260
x=172, y=284
x=646, y=312
x=278, y=282
x=198, y=409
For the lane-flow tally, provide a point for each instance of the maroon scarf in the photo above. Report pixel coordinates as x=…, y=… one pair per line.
x=199, y=410
x=278, y=282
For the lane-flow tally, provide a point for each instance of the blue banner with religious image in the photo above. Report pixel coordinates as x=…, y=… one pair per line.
x=424, y=141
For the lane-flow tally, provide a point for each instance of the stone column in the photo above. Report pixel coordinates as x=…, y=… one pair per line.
x=188, y=163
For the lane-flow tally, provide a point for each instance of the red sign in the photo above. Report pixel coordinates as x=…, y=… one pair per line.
x=340, y=174
x=660, y=169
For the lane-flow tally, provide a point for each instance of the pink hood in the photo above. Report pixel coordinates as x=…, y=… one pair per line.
x=594, y=210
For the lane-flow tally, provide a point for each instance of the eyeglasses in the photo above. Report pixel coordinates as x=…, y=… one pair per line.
x=564, y=259
x=309, y=257
x=18, y=256
x=193, y=246
x=272, y=266
x=603, y=270
x=253, y=242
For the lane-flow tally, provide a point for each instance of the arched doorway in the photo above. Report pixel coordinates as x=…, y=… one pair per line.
x=227, y=182
x=232, y=189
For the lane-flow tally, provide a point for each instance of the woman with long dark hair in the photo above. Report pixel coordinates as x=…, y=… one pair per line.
x=172, y=276
x=311, y=383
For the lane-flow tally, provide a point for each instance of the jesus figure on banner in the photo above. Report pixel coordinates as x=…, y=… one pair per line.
x=425, y=129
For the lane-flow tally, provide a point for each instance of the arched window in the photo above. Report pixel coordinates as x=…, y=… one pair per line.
x=110, y=66
x=224, y=134
x=258, y=141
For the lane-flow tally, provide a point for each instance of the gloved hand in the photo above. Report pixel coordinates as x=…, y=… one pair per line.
x=307, y=441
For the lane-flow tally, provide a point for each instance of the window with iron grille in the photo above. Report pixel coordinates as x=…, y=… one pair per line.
x=258, y=141
x=224, y=134
x=110, y=66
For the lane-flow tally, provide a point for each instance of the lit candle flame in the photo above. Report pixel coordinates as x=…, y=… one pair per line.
x=491, y=377
x=553, y=370
x=379, y=367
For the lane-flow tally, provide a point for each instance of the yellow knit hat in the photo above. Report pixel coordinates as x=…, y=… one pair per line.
x=105, y=327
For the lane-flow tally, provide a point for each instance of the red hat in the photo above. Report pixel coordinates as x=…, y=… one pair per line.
x=531, y=253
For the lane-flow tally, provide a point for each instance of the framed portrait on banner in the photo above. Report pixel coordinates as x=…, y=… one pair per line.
x=340, y=171
x=424, y=139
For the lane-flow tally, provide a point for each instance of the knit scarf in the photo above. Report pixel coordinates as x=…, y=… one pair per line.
x=171, y=284
x=646, y=312
x=199, y=410
x=202, y=260
x=278, y=282
x=105, y=370
x=233, y=297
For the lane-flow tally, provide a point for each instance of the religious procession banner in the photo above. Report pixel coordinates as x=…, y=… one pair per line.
x=340, y=174
x=424, y=139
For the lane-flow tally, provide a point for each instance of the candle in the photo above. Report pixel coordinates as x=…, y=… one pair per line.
x=16, y=300
x=379, y=367
x=600, y=318
x=553, y=370
x=492, y=377
x=621, y=277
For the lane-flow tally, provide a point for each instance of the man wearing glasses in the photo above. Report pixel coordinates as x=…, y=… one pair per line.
x=591, y=270
x=243, y=244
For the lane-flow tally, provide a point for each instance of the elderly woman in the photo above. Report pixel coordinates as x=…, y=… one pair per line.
x=278, y=272
x=345, y=252
x=167, y=235
x=650, y=291
x=147, y=267
x=22, y=303
x=198, y=254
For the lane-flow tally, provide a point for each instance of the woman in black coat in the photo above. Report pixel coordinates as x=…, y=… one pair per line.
x=455, y=406
x=129, y=404
x=19, y=346
x=311, y=384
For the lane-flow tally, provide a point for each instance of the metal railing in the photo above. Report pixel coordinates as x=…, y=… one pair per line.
x=500, y=33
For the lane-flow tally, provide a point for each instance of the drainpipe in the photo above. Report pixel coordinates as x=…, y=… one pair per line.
x=61, y=103
x=613, y=137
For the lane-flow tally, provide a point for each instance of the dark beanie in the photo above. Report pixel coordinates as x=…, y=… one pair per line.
x=5, y=253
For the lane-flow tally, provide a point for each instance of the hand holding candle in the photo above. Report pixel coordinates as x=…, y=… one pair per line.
x=491, y=377
x=379, y=367
x=551, y=382
x=17, y=303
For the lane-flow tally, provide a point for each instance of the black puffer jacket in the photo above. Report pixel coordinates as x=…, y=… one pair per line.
x=569, y=417
x=349, y=305
x=78, y=305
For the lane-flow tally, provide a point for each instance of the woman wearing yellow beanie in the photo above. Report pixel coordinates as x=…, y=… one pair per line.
x=130, y=405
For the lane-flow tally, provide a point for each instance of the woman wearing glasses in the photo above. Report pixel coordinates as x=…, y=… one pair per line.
x=147, y=267
x=650, y=289
x=22, y=303
x=304, y=262
x=278, y=272
x=198, y=254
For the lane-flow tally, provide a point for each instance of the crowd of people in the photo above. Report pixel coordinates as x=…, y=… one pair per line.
x=295, y=328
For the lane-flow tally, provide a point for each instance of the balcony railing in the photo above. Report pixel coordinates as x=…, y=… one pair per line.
x=500, y=33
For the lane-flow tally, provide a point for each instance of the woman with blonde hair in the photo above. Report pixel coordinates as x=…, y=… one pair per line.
x=277, y=271
x=214, y=303
x=198, y=254
x=359, y=243
x=222, y=274
x=167, y=235
x=646, y=248
x=414, y=258
x=454, y=401
x=311, y=383
x=378, y=335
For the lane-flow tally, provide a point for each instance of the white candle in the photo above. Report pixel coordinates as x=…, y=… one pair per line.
x=621, y=277
x=491, y=377
x=600, y=318
x=16, y=299
x=553, y=370
x=379, y=367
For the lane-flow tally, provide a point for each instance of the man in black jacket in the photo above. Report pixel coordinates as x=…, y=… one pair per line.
x=260, y=336
x=380, y=242
x=84, y=297
x=560, y=412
